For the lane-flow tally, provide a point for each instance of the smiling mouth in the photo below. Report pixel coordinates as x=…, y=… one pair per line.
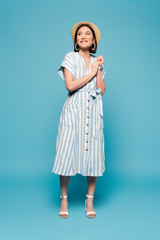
x=84, y=41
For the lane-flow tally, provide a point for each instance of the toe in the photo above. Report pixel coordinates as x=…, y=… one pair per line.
x=63, y=215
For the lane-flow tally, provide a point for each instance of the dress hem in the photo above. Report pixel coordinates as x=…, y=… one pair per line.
x=74, y=174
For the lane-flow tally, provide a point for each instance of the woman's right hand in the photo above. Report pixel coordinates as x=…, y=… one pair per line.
x=94, y=67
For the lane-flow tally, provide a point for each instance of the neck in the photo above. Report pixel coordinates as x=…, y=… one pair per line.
x=84, y=53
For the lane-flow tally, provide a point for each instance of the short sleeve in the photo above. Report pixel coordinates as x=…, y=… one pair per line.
x=68, y=63
x=103, y=72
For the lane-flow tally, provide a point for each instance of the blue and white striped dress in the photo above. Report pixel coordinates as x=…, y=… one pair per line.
x=80, y=138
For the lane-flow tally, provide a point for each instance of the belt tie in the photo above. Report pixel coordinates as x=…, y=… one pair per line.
x=99, y=107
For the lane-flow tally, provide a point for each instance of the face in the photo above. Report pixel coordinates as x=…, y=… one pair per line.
x=85, y=37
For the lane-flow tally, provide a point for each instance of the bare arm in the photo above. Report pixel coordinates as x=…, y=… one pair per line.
x=72, y=84
x=100, y=83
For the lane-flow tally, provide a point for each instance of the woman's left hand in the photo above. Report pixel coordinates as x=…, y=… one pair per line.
x=100, y=59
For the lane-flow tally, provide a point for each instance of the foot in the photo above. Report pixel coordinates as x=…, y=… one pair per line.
x=64, y=207
x=89, y=203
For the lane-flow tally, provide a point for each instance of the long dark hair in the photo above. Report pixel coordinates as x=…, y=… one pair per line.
x=75, y=39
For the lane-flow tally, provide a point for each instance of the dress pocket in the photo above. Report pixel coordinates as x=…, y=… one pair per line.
x=100, y=121
x=98, y=126
x=69, y=115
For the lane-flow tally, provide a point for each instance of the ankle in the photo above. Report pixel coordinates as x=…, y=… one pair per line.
x=64, y=200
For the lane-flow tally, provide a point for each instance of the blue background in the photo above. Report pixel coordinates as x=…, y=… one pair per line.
x=34, y=38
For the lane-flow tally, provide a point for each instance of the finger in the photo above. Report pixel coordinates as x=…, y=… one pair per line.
x=100, y=56
x=101, y=60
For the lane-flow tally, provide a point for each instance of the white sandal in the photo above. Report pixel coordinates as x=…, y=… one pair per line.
x=89, y=212
x=63, y=212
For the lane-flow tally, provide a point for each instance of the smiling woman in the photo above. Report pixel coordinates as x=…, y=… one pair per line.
x=80, y=139
x=88, y=32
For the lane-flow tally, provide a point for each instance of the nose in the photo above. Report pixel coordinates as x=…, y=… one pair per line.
x=84, y=38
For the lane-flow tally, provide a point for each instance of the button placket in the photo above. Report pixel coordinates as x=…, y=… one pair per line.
x=94, y=102
x=87, y=124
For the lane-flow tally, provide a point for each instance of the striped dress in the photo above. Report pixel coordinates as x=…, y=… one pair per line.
x=80, y=138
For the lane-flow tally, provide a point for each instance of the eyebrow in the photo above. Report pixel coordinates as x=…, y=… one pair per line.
x=81, y=31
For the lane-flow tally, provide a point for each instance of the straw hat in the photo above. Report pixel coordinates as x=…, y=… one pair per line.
x=92, y=25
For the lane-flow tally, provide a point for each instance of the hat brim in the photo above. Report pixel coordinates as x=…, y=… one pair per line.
x=92, y=25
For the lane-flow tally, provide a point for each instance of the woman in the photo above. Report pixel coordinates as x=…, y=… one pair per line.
x=80, y=139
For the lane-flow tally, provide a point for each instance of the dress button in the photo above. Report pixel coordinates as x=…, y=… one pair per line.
x=86, y=149
x=88, y=100
x=88, y=108
x=87, y=116
x=88, y=92
x=86, y=141
x=87, y=124
x=86, y=133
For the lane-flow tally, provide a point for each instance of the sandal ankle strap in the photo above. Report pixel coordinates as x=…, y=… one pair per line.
x=63, y=196
x=89, y=196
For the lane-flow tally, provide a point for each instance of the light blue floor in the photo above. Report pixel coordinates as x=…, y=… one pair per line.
x=127, y=209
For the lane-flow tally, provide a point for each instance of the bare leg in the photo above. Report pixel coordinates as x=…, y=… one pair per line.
x=91, y=189
x=64, y=181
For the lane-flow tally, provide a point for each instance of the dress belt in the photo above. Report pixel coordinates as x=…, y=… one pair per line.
x=92, y=91
x=93, y=94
